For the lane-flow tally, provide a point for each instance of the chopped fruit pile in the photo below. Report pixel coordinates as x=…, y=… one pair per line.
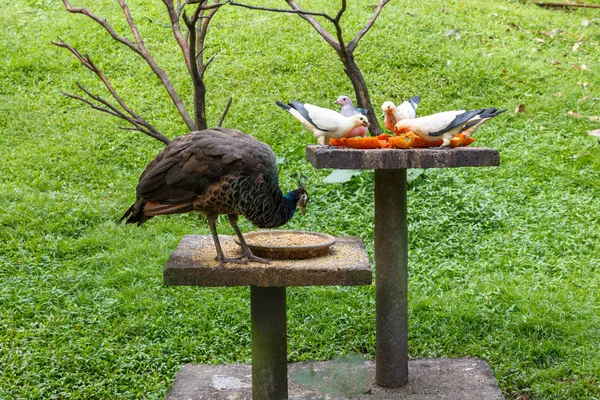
x=404, y=141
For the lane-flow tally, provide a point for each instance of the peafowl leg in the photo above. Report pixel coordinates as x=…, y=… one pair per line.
x=212, y=219
x=248, y=256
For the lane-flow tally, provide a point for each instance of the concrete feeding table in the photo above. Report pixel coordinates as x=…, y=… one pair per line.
x=193, y=263
x=391, y=236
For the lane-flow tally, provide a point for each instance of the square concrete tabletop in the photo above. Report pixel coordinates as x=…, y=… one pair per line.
x=194, y=263
x=349, y=158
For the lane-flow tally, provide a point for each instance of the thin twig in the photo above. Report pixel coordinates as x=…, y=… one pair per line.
x=175, y=27
x=89, y=64
x=206, y=66
x=141, y=50
x=196, y=66
x=91, y=104
x=308, y=17
x=354, y=42
x=225, y=112
x=556, y=5
x=208, y=7
x=132, y=118
x=282, y=10
x=140, y=126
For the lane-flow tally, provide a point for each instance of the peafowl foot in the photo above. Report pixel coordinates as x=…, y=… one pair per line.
x=252, y=257
x=242, y=259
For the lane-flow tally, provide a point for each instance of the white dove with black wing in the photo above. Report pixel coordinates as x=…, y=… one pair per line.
x=445, y=125
x=323, y=123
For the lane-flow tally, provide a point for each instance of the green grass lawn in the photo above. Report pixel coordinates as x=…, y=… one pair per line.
x=503, y=262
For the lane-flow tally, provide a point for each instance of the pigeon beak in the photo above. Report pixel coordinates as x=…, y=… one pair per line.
x=302, y=208
x=367, y=124
x=336, y=102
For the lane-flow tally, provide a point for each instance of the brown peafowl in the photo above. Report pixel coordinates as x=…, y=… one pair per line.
x=216, y=171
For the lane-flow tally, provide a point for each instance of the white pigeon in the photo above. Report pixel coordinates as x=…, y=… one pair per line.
x=323, y=123
x=445, y=125
x=349, y=110
x=393, y=114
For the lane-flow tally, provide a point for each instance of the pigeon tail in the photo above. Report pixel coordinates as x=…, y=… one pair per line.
x=414, y=101
x=284, y=106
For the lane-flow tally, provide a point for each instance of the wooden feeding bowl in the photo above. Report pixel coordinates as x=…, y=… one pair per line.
x=288, y=244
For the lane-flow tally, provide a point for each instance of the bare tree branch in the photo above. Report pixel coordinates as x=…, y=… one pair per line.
x=89, y=64
x=199, y=89
x=132, y=118
x=225, y=112
x=282, y=10
x=307, y=15
x=344, y=52
x=139, y=125
x=141, y=50
x=354, y=42
x=176, y=28
x=216, y=4
x=132, y=25
x=311, y=20
x=91, y=104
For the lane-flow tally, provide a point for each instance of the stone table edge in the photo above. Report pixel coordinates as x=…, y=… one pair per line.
x=348, y=158
x=177, y=272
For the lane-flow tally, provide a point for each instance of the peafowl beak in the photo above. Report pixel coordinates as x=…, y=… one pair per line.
x=302, y=202
x=302, y=208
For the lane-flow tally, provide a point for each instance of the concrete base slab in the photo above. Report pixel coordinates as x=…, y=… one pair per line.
x=429, y=379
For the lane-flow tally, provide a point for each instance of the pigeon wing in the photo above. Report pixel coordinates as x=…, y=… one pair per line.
x=459, y=120
x=323, y=119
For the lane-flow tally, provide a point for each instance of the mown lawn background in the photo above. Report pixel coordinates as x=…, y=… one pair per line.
x=503, y=262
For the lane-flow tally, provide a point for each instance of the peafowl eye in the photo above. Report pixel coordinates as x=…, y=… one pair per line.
x=216, y=171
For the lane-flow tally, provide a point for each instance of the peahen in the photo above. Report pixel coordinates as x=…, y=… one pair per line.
x=216, y=171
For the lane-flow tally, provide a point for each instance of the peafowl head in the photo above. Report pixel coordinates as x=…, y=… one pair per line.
x=302, y=200
x=299, y=196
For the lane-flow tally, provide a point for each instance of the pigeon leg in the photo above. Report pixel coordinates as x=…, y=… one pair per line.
x=248, y=256
x=212, y=218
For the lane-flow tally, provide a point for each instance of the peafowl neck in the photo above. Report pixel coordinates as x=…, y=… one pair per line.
x=265, y=205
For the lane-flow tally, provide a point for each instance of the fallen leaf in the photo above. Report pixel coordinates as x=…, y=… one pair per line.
x=576, y=46
x=520, y=109
x=453, y=32
x=574, y=114
x=595, y=132
x=341, y=175
x=594, y=118
x=413, y=174
x=559, y=94
x=555, y=32
x=585, y=98
x=583, y=67
x=539, y=40
x=555, y=62
x=585, y=22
